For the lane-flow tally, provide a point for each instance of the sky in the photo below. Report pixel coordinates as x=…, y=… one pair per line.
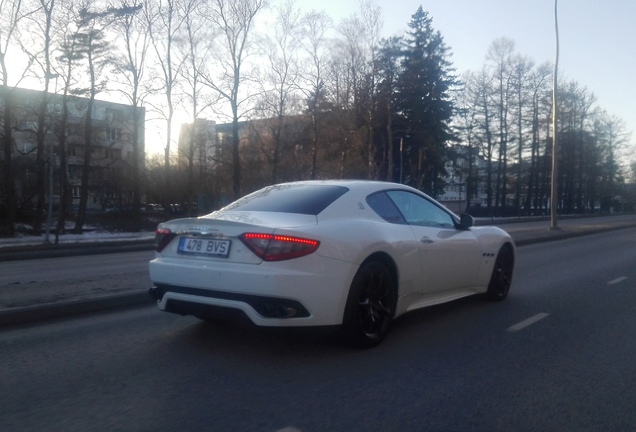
x=597, y=38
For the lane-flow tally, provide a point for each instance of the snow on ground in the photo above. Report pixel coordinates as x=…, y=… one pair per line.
x=90, y=235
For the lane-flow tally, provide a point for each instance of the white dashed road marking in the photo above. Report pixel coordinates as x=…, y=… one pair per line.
x=528, y=322
x=617, y=280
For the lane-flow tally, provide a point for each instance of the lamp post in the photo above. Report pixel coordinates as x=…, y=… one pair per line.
x=553, y=188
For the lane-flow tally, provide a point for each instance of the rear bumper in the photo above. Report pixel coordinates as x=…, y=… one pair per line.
x=270, y=294
x=266, y=307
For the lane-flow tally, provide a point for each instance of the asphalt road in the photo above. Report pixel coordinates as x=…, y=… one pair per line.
x=557, y=355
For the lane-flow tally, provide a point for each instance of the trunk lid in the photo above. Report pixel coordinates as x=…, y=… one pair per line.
x=215, y=237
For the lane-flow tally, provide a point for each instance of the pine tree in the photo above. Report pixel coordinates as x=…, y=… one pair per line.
x=424, y=100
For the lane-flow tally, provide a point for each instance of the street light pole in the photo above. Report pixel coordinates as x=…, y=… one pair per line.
x=553, y=189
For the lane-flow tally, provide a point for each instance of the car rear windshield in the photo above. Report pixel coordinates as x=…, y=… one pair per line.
x=302, y=199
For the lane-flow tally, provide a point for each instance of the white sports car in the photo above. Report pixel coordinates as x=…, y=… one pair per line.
x=314, y=253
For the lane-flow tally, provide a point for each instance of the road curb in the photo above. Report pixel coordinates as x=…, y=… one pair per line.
x=522, y=238
x=21, y=315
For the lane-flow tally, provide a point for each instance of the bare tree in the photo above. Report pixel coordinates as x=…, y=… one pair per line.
x=130, y=67
x=354, y=75
x=279, y=86
x=164, y=26
x=538, y=89
x=346, y=78
x=94, y=49
x=196, y=50
x=616, y=139
x=521, y=74
x=38, y=46
x=483, y=88
x=469, y=132
x=12, y=14
x=235, y=20
x=316, y=25
x=500, y=56
x=68, y=53
x=371, y=16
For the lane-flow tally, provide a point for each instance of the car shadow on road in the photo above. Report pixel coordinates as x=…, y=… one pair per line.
x=240, y=340
x=248, y=339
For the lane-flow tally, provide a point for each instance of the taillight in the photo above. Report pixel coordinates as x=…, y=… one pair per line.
x=163, y=236
x=270, y=247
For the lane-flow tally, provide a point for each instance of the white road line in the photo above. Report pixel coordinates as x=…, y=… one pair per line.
x=528, y=322
x=617, y=280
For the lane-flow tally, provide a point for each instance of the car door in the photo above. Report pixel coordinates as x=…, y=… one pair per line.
x=449, y=256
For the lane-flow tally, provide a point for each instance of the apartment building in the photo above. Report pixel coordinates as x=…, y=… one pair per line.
x=111, y=147
x=198, y=144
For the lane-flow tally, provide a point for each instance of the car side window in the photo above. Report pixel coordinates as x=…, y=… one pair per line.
x=417, y=210
x=385, y=208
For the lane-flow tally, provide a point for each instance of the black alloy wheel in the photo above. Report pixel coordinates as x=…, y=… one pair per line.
x=370, y=305
x=501, y=278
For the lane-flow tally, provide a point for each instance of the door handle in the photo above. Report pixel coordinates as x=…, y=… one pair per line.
x=426, y=240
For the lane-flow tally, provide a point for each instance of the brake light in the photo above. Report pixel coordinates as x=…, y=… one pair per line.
x=163, y=237
x=270, y=247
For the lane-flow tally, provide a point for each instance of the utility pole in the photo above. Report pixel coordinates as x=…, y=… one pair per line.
x=553, y=189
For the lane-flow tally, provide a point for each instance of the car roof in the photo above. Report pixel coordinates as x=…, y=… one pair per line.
x=359, y=186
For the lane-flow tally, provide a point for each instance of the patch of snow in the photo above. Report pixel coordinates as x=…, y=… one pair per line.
x=86, y=237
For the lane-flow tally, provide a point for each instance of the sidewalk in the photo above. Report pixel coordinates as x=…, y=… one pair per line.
x=22, y=304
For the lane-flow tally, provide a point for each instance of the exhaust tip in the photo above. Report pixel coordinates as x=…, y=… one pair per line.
x=285, y=312
x=154, y=293
x=280, y=310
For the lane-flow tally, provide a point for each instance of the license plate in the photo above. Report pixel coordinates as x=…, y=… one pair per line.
x=206, y=247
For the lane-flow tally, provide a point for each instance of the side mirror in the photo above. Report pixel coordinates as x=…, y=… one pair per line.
x=466, y=221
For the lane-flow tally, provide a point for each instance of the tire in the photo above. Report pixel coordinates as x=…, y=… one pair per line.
x=501, y=278
x=370, y=305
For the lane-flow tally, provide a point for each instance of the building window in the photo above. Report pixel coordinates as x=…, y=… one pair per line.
x=113, y=134
x=28, y=126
